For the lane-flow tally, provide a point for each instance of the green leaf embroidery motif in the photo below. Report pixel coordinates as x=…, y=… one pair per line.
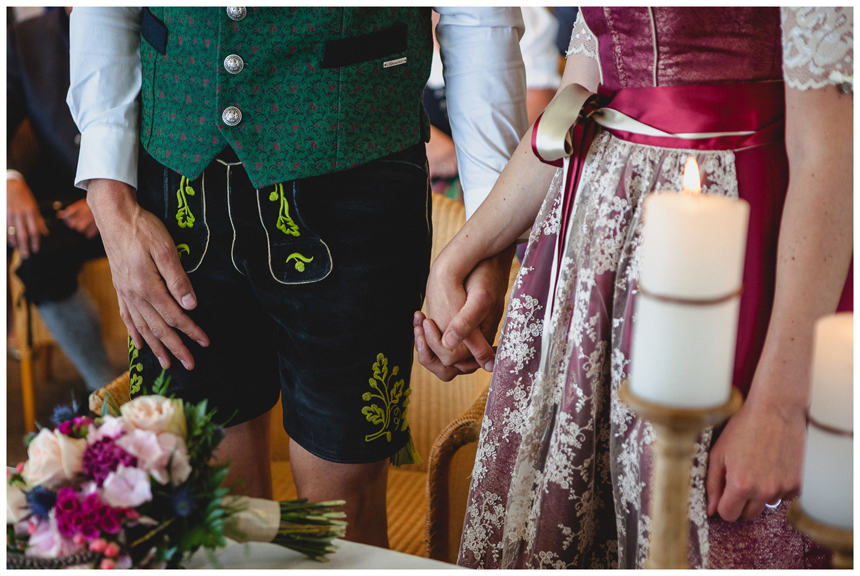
x=183, y=249
x=135, y=380
x=184, y=217
x=300, y=261
x=390, y=415
x=285, y=223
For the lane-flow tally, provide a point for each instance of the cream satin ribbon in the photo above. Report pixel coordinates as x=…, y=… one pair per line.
x=258, y=520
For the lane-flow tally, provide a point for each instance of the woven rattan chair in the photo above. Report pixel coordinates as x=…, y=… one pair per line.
x=33, y=336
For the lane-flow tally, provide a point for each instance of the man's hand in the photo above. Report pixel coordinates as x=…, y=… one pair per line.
x=757, y=460
x=469, y=311
x=23, y=218
x=148, y=278
x=79, y=218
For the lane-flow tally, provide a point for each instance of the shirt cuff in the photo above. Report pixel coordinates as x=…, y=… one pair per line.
x=108, y=153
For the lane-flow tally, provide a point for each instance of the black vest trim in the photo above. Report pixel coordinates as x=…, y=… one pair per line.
x=154, y=31
x=347, y=51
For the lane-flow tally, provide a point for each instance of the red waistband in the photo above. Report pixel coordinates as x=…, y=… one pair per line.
x=757, y=107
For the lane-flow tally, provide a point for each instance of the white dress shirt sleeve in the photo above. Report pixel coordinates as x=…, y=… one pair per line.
x=485, y=86
x=105, y=78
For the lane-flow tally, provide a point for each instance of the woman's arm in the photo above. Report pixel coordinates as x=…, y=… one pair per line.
x=759, y=456
x=462, y=296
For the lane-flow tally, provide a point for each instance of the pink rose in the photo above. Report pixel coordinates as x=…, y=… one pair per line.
x=53, y=458
x=47, y=542
x=111, y=427
x=156, y=414
x=153, y=454
x=126, y=488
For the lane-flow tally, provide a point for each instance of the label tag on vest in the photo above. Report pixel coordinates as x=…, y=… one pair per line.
x=391, y=63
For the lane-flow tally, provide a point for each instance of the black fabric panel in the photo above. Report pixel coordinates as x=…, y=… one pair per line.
x=154, y=31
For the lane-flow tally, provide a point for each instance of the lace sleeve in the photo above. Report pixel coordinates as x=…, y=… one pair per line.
x=818, y=47
x=582, y=41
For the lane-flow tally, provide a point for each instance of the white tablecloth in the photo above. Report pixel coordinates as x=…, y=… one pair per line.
x=349, y=556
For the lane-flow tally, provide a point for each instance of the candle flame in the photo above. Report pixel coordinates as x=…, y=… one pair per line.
x=692, y=183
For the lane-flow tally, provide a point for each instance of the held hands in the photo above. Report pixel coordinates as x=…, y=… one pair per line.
x=148, y=278
x=24, y=223
x=757, y=460
x=469, y=310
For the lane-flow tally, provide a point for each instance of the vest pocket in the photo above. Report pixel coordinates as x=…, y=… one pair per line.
x=366, y=47
x=296, y=255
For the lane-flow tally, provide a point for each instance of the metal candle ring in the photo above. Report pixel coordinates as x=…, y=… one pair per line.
x=692, y=301
x=829, y=429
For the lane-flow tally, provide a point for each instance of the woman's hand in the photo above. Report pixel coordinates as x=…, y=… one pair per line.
x=757, y=460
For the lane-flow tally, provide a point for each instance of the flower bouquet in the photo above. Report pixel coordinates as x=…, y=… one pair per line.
x=140, y=490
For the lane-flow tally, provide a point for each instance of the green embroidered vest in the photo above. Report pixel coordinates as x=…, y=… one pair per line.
x=318, y=89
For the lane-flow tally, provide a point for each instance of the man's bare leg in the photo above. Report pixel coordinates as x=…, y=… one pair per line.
x=361, y=485
x=247, y=447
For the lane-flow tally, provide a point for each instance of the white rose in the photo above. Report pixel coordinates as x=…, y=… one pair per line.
x=53, y=458
x=16, y=505
x=156, y=414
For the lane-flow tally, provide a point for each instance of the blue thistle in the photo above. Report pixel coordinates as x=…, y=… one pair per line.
x=41, y=501
x=183, y=502
x=65, y=413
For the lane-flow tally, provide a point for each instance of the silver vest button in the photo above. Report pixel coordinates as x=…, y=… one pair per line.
x=233, y=64
x=236, y=13
x=231, y=116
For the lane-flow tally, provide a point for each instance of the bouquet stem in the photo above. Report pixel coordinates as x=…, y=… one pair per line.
x=308, y=528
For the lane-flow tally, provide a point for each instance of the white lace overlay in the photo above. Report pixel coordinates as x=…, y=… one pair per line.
x=562, y=435
x=817, y=46
x=582, y=40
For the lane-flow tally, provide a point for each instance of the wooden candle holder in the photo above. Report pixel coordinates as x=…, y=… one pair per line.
x=676, y=431
x=840, y=540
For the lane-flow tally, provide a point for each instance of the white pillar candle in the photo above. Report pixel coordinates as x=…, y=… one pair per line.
x=693, y=247
x=828, y=469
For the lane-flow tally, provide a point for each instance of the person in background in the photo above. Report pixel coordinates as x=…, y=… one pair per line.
x=542, y=79
x=47, y=218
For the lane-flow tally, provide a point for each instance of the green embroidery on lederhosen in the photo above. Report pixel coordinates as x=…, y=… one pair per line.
x=285, y=223
x=183, y=249
x=390, y=416
x=134, y=380
x=300, y=261
x=183, y=215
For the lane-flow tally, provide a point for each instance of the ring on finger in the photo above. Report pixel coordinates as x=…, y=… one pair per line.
x=11, y=231
x=775, y=505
